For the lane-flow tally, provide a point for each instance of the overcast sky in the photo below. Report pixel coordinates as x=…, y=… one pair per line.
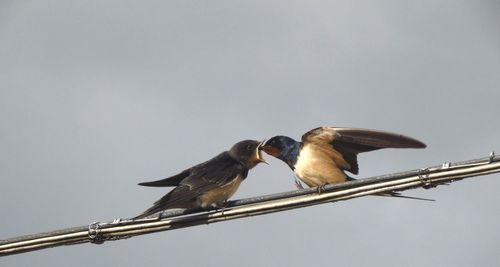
x=96, y=96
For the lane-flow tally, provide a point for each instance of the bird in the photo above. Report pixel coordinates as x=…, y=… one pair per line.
x=325, y=153
x=208, y=184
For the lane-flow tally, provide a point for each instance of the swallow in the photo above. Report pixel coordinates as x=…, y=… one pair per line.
x=326, y=153
x=209, y=184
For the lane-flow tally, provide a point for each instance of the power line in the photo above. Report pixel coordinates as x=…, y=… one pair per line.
x=173, y=219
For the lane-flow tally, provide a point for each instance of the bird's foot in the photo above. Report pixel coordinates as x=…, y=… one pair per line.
x=321, y=189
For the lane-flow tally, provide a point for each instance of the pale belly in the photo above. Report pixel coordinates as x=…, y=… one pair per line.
x=219, y=195
x=316, y=168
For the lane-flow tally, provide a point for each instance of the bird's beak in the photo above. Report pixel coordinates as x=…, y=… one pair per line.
x=273, y=151
x=259, y=152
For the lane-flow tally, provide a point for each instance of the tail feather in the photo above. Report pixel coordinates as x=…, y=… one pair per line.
x=147, y=213
x=158, y=206
x=394, y=194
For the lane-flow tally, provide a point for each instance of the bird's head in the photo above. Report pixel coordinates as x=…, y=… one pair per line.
x=247, y=152
x=279, y=146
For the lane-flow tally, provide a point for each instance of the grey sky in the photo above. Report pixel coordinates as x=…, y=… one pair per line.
x=97, y=96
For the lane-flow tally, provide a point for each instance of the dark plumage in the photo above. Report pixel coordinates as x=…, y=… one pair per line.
x=210, y=183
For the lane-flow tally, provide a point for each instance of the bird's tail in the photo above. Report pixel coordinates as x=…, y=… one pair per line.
x=394, y=194
x=146, y=213
x=157, y=207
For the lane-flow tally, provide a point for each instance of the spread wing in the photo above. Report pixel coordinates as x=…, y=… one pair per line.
x=351, y=141
x=202, y=178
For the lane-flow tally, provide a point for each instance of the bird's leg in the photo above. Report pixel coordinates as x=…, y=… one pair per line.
x=222, y=205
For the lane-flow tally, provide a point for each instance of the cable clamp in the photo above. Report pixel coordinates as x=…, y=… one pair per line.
x=425, y=179
x=446, y=165
x=95, y=233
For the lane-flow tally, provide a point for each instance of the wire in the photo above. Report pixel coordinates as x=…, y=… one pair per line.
x=118, y=229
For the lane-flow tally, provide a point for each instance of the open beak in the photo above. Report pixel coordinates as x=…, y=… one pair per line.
x=259, y=152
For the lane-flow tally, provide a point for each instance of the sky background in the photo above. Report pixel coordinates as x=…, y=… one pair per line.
x=96, y=96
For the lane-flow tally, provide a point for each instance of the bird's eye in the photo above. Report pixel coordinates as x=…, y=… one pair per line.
x=249, y=147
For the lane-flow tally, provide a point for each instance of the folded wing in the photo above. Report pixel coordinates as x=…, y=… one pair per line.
x=170, y=181
x=201, y=179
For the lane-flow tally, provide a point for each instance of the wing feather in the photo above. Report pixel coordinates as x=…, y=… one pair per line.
x=351, y=141
x=170, y=181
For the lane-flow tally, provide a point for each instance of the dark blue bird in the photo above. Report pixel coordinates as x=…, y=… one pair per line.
x=325, y=153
